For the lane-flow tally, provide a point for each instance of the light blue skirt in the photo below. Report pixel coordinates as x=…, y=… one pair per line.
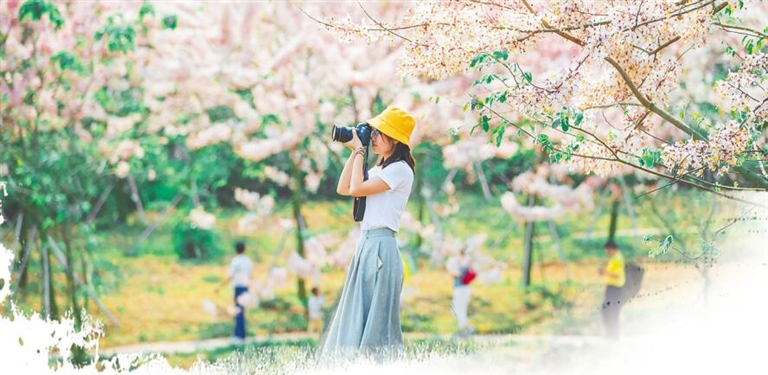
x=367, y=319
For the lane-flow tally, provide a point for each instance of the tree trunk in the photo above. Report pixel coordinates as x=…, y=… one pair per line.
x=628, y=204
x=300, y=225
x=483, y=181
x=595, y=218
x=528, y=255
x=22, y=231
x=79, y=356
x=136, y=198
x=560, y=251
x=420, y=210
x=50, y=308
x=46, y=282
x=27, y=249
x=60, y=257
x=614, y=220
x=100, y=203
x=297, y=198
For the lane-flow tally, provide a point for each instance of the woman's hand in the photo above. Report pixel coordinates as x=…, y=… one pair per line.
x=353, y=143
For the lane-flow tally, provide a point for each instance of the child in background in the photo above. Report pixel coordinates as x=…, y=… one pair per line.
x=316, y=302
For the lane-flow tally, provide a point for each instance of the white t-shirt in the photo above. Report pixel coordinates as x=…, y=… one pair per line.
x=240, y=270
x=383, y=210
x=316, y=307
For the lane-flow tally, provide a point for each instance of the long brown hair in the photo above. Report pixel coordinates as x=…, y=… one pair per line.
x=401, y=153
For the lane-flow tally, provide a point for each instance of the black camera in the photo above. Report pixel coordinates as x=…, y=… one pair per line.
x=344, y=133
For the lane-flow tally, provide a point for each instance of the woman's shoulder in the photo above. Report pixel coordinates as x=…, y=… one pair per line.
x=400, y=167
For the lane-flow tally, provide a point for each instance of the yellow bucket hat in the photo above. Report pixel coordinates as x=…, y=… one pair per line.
x=396, y=123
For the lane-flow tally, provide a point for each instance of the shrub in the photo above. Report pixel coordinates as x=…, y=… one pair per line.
x=195, y=243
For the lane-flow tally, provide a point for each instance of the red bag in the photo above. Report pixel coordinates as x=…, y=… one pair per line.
x=468, y=276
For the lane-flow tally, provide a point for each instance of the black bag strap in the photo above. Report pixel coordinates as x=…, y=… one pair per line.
x=358, y=206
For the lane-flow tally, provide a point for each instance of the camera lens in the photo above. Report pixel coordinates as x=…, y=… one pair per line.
x=341, y=134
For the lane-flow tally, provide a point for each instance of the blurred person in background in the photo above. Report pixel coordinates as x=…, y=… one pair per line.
x=239, y=276
x=614, y=279
x=463, y=275
x=315, y=307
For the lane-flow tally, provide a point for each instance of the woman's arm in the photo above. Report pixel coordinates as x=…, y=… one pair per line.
x=343, y=186
x=360, y=188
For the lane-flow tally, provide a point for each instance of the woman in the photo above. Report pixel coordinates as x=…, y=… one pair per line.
x=368, y=315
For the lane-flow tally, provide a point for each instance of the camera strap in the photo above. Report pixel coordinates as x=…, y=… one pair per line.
x=358, y=207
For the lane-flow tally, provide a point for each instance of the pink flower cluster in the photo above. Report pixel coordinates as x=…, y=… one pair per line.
x=719, y=154
x=744, y=91
x=201, y=219
x=561, y=197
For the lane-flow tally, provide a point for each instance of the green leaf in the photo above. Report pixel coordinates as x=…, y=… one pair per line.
x=170, y=22
x=528, y=77
x=478, y=60
x=66, y=60
x=564, y=121
x=36, y=9
x=120, y=38
x=503, y=96
x=663, y=247
x=484, y=123
x=146, y=8
x=556, y=123
x=578, y=118
x=499, y=132
x=649, y=158
x=270, y=118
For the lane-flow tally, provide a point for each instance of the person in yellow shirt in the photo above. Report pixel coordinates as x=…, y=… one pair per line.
x=615, y=277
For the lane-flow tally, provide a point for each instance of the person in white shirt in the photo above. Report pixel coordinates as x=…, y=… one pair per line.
x=368, y=315
x=315, y=307
x=239, y=275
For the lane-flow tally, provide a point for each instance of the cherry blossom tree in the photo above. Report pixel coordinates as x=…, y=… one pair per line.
x=61, y=67
x=616, y=90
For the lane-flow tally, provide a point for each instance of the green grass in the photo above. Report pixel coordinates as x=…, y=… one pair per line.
x=157, y=297
x=504, y=235
x=271, y=357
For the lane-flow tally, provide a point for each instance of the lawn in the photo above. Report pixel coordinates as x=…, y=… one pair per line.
x=157, y=297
